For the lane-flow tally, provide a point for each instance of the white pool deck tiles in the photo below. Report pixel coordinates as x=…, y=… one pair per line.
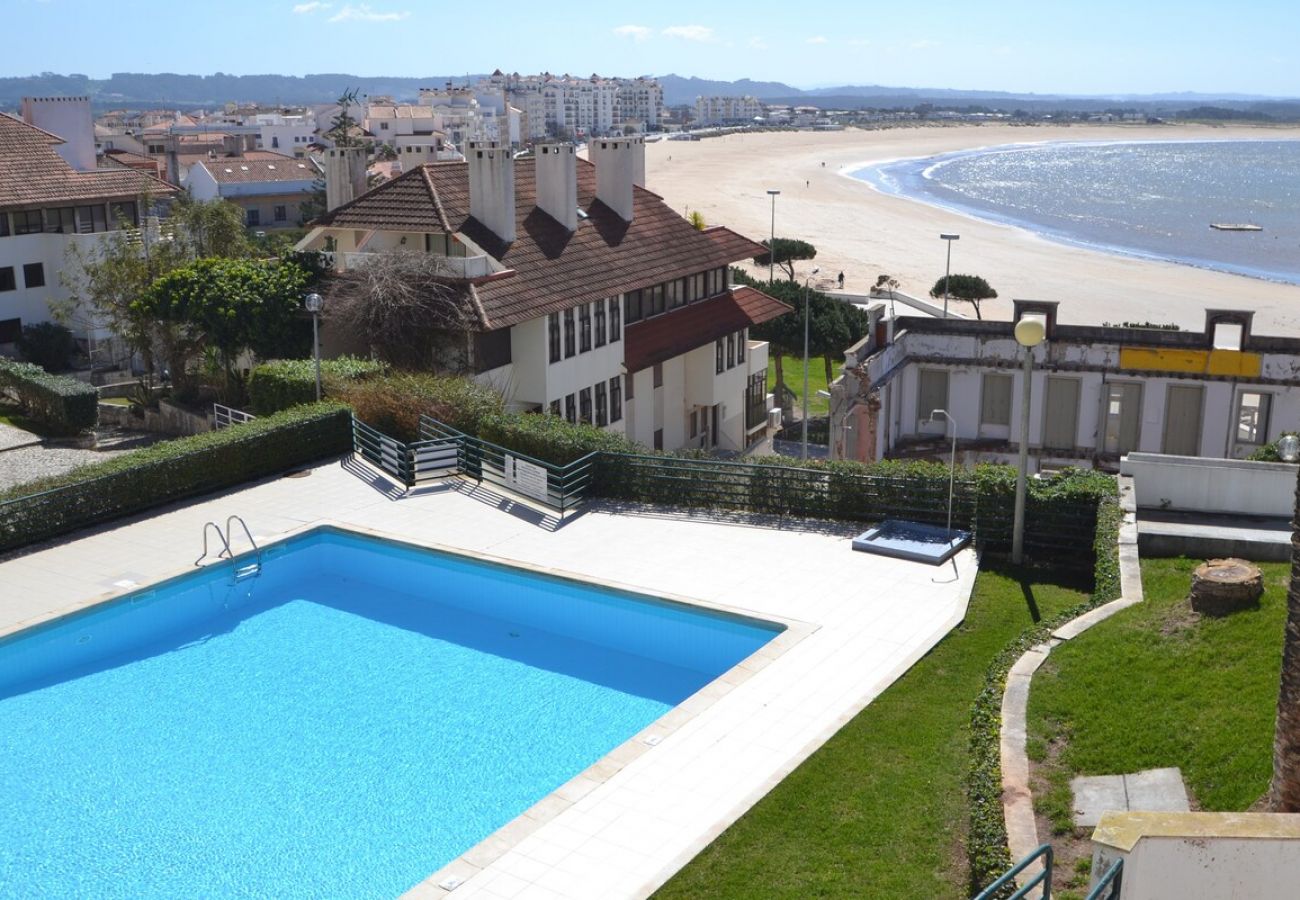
x=624, y=827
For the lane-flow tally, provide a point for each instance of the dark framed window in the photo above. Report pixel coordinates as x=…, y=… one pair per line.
x=91, y=219
x=570, y=408
x=4, y=224
x=659, y=439
x=281, y=214
x=695, y=288
x=584, y=328
x=602, y=414
x=740, y=346
x=600, y=323
x=125, y=214
x=34, y=275
x=659, y=375
x=491, y=349
x=570, y=343
x=584, y=405
x=253, y=217
x=7, y=282
x=554, y=408
x=731, y=351
x=676, y=296
x=28, y=221
x=615, y=323
x=553, y=335
x=615, y=399
x=656, y=300
x=61, y=220
x=718, y=348
x=632, y=302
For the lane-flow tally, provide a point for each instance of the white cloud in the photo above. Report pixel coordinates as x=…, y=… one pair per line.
x=314, y=5
x=819, y=39
x=637, y=33
x=924, y=44
x=757, y=43
x=699, y=33
x=363, y=13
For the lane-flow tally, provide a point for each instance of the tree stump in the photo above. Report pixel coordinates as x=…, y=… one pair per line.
x=1223, y=586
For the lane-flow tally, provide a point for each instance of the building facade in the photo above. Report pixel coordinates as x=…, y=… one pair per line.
x=269, y=190
x=727, y=110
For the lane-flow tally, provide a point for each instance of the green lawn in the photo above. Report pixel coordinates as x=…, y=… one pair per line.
x=1154, y=686
x=880, y=810
x=793, y=370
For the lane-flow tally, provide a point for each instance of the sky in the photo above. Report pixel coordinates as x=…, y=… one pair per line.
x=1046, y=46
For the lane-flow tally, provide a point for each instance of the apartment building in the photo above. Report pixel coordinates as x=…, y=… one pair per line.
x=551, y=105
x=592, y=299
x=270, y=189
x=727, y=110
x=1097, y=392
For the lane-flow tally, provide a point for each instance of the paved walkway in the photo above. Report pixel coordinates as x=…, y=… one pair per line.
x=860, y=621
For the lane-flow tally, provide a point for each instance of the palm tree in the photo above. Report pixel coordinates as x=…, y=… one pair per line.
x=1284, y=792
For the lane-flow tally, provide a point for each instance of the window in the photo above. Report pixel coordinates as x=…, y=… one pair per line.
x=1252, y=417
x=601, y=413
x=7, y=282
x=694, y=423
x=731, y=351
x=275, y=142
x=553, y=335
x=570, y=345
x=740, y=346
x=659, y=439
x=4, y=224
x=34, y=275
x=932, y=393
x=383, y=126
x=656, y=300
x=696, y=288
x=720, y=366
x=615, y=327
x=676, y=296
x=570, y=408
x=615, y=399
x=554, y=408
x=711, y=284
x=584, y=405
x=253, y=217
x=28, y=221
x=995, y=400
x=120, y=214
x=600, y=323
x=61, y=220
x=491, y=349
x=633, y=301
x=659, y=375
x=91, y=219
x=281, y=214
x=584, y=328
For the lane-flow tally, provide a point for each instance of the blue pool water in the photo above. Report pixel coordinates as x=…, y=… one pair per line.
x=340, y=726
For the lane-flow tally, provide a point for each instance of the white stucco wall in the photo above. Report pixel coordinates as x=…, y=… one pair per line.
x=1212, y=485
x=32, y=304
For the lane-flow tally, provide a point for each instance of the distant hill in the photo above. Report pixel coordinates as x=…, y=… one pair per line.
x=679, y=90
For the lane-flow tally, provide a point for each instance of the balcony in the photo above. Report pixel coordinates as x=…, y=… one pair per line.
x=457, y=266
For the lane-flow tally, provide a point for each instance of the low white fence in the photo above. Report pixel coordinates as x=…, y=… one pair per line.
x=1198, y=484
x=225, y=416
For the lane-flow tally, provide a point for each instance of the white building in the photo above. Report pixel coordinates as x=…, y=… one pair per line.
x=1098, y=392
x=727, y=110
x=551, y=105
x=53, y=197
x=592, y=298
x=269, y=190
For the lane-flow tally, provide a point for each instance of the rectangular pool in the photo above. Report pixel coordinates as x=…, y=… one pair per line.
x=344, y=723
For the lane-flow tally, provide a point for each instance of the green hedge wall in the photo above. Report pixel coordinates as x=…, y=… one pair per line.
x=282, y=383
x=171, y=471
x=65, y=405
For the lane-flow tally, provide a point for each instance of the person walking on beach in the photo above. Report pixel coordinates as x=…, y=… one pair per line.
x=841, y=278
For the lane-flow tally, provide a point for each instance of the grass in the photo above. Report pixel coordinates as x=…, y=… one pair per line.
x=793, y=371
x=1158, y=686
x=880, y=810
x=116, y=401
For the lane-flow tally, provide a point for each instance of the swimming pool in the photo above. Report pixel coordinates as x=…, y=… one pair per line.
x=343, y=723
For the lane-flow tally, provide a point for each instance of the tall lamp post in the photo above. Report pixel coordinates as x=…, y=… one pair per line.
x=947, y=269
x=313, y=304
x=804, y=452
x=771, y=246
x=1030, y=332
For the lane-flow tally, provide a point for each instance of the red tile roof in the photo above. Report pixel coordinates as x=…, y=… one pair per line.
x=32, y=174
x=553, y=268
x=672, y=334
x=244, y=170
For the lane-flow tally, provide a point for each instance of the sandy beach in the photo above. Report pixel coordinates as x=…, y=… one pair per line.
x=865, y=233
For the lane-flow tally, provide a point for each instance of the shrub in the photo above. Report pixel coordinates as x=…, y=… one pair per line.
x=1269, y=452
x=64, y=405
x=282, y=383
x=548, y=438
x=171, y=471
x=394, y=403
x=47, y=345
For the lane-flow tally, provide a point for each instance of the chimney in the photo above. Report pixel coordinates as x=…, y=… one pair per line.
x=70, y=119
x=620, y=164
x=345, y=175
x=413, y=155
x=492, y=187
x=557, y=182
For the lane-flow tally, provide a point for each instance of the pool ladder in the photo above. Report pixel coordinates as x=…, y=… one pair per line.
x=247, y=571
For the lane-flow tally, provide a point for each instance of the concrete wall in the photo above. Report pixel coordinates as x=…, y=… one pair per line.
x=1194, y=484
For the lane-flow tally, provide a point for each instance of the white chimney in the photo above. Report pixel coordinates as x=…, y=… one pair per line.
x=492, y=187
x=70, y=119
x=413, y=155
x=620, y=164
x=557, y=182
x=345, y=175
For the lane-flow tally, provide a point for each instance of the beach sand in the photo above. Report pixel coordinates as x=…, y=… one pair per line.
x=865, y=233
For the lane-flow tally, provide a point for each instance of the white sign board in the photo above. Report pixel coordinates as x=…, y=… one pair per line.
x=527, y=478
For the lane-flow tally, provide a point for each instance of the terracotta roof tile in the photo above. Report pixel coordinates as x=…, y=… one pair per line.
x=674, y=333
x=245, y=171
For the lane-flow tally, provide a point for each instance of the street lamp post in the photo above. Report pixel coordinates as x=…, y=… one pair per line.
x=771, y=246
x=1030, y=332
x=816, y=269
x=952, y=461
x=313, y=304
x=844, y=426
x=947, y=269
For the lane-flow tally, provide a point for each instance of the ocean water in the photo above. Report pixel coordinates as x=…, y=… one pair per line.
x=340, y=726
x=1150, y=199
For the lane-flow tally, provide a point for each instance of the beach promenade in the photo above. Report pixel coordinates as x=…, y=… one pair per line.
x=864, y=233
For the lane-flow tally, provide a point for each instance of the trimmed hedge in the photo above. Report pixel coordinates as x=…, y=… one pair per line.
x=171, y=471
x=282, y=383
x=549, y=438
x=65, y=405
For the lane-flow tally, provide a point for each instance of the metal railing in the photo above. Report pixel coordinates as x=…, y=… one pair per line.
x=1110, y=885
x=411, y=464
x=1042, y=881
x=225, y=416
